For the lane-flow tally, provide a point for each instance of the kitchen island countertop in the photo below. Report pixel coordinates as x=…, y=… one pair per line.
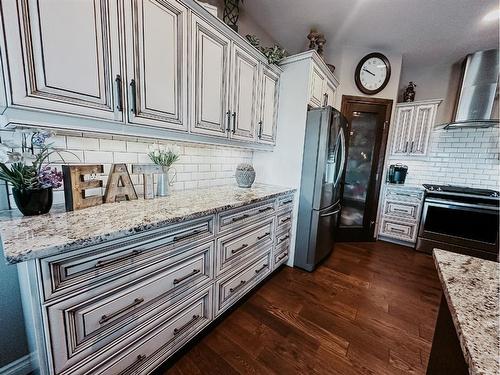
x=471, y=287
x=25, y=238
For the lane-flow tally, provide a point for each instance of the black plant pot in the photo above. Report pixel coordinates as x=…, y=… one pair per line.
x=33, y=202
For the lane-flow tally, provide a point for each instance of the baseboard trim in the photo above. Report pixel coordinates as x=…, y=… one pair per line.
x=21, y=366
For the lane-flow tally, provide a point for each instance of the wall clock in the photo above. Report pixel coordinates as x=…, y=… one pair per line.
x=372, y=73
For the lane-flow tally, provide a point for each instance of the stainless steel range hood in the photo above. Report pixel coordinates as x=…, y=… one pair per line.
x=477, y=92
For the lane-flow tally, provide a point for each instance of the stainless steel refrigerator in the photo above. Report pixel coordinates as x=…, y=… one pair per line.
x=322, y=171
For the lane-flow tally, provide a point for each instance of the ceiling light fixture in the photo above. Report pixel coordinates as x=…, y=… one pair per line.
x=492, y=16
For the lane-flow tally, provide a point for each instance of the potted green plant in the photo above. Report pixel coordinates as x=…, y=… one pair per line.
x=165, y=157
x=32, y=179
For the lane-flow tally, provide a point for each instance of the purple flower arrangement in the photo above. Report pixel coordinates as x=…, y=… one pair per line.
x=49, y=178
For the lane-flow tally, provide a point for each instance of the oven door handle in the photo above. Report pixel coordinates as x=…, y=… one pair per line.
x=444, y=202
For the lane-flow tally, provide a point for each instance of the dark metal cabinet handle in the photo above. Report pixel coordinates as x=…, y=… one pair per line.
x=260, y=129
x=184, y=236
x=282, y=256
x=107, y=318
x=244, y=246
x=283, y=238
x=399, y=210
x=264, y=235
x=133, y=104
x=285, y=220
x=265, y=209
x=264, y=266
x=181, y=279
x=102, y=263
x=397, y=230
x=240, y=285
x=118, y=82
x=411, y=148
x=288, y=201
x=234, y=122
x=406, y=147
x=187, y=325
x=139, y=359
x=228, y=114
x=240, y=217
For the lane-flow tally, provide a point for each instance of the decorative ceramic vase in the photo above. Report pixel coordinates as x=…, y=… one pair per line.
x=164, y=182
x=409, y=93
x=245, y=175
x=33, y=202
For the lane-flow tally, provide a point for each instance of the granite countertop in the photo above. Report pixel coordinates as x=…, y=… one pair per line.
x=471, y=287
x=39, y=236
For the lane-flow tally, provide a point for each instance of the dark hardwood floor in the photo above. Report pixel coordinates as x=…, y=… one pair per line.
x=370, y=308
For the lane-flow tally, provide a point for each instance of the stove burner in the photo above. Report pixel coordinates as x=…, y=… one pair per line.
x=461, y=190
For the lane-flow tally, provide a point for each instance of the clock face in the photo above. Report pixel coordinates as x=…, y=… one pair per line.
x=373, y=73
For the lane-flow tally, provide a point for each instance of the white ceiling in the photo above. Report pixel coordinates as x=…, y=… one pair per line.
x=423, y=31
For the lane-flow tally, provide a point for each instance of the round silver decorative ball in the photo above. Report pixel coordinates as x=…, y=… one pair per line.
x=245, y=175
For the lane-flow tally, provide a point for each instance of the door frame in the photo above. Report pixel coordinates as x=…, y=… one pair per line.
x=376, y=178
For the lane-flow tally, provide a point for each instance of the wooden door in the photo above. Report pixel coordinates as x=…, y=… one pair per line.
x=403, y=131
x=157, y=63
x=317, y=94
x=268, y=106
x=210, y=77
x=244, y=98
x=64, y=56
x=422, y=125
x=368, y=120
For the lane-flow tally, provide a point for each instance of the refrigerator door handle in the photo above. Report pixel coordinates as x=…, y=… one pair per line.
x=342, y=163
x=332, y=212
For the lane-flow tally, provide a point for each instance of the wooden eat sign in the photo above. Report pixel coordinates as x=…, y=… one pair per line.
x=119, y=186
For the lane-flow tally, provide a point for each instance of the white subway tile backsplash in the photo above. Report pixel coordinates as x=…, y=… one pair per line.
x=112, y=145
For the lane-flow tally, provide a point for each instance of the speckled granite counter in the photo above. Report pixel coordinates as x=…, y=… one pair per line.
x=34, y=237
x=471, y=287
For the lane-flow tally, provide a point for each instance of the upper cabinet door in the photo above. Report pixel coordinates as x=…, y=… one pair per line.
x=244, y=99
x=269, y=106
x=210, y=78
x=403, y=130
x=317, y=94
x=64, y=56
x=329, y=94
x=157, y=63
x=422, y=126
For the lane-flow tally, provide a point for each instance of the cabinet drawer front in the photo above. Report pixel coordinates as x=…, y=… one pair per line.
x=284, y=220
x=138, y=254
x=82, y=325
x=235, y=218
x=171, y=332
x=285, y=202
x=236, y=247
x=233, y=287
x=399, y=230
x=281, y=253
x=283, y=237
x=405, y=210
x=405, y=195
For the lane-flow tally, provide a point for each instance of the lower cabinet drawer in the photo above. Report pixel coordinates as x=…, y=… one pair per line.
x=281, y=254
x=236, y=218
x=238, y=283
x=284, y=220
x=405, y=210
x=285, y=202
x=404, y=194
x=81, y=326
x=236, y=247
x=283, y=237
x=399, y=229
x=171, y=332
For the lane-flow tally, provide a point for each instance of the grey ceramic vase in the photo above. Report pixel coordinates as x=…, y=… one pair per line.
x=245, y=175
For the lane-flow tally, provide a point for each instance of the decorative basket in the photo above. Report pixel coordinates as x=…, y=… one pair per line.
x=245, y=175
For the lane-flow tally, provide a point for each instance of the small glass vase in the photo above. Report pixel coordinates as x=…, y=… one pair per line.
x=164, y=182
x=33, y=202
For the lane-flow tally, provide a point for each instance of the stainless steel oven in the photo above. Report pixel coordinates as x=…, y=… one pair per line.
x=464, y=224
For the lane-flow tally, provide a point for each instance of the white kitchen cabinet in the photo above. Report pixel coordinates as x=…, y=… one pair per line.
x=64, y=56
x=268, y=112
x=210, y=77
x=157, y=63
x=244, y=94
x=317, y=92
x=413, y=125
x=329, y=93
